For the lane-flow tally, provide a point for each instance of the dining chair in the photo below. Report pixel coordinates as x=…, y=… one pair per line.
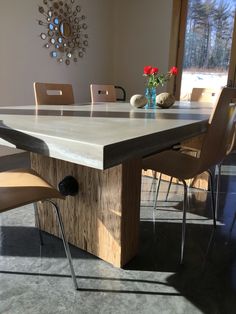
x=106, y=93
x=24, y=186
x=200, y=95
x=193, y=145
x=216, y=144
x=53, y=94
x=203, y=94
x=217, y=171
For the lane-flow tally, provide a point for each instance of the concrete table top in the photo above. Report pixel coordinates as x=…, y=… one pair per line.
x=100, y=135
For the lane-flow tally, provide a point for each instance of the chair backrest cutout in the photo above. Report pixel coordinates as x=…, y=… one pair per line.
x=102, y=93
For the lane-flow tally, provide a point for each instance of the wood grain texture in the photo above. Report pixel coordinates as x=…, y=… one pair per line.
x=177, y=38
x=193, y=143
x=174, y=42
x=103, y=218
x=232, y=65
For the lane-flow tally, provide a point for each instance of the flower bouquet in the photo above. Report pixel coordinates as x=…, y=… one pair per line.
x=155, y=79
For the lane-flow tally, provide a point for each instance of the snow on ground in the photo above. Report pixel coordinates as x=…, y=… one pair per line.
x=213, y=80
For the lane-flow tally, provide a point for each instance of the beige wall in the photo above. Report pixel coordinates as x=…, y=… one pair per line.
x=23, y=60
x=124, y=35
x=142, y=37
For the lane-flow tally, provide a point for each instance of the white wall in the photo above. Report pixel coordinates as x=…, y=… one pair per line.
x=124, y=36
x=23, y=59
x=142, y=37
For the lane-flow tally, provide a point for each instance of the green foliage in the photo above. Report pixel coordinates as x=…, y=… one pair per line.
x=158, y=79
x=209, y=34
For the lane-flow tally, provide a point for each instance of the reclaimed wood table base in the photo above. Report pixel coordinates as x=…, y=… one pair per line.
x=103, y=218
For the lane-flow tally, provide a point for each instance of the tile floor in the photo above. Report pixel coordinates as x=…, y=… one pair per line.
x=36, y=279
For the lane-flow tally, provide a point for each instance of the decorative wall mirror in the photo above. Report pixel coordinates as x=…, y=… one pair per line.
x=64, y=30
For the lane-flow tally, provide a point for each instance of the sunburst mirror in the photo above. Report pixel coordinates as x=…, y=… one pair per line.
x=65, y=30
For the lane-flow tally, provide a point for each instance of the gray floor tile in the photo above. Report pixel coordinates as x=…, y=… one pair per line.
x=37, y=280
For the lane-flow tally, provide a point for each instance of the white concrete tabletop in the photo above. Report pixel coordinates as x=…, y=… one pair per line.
x=100, y=135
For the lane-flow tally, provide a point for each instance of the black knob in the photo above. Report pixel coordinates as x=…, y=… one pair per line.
x=69, y=186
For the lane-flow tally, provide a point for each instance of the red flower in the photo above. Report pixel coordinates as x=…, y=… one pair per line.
x=155, y=79
x=174, y=71
x=154, y=70
x=147, y=70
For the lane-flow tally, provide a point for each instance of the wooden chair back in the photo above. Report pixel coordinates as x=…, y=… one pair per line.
x=204, y=94
x=53, y=94
x=102, y=93
x=220, y=134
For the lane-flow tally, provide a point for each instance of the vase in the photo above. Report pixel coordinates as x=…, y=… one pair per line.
x=150, y=94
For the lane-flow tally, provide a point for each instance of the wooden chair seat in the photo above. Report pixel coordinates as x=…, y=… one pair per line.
x=187, y=166
x=24, y=186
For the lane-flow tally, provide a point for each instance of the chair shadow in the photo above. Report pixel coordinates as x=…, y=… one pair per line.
x=14, y=239
x=207, y=278
x=160, y=249
x=209, y=282
x=199, y=280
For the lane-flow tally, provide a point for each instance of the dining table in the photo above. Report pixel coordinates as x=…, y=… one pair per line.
x=101, y=145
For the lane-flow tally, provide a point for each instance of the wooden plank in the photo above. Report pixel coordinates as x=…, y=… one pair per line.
x=103, y=218
x=177, y=38
x=232, y=65
x=174, y=40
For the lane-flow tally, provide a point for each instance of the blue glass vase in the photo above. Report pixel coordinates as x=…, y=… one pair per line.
x=150, y=94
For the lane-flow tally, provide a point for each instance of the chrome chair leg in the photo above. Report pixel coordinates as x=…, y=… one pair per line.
x=218, y=188
x=168, y=190
x=213, y=207
x=157, y=191
x=36, y=212
x=171, y=179
x=185, y=207
x=65, y=243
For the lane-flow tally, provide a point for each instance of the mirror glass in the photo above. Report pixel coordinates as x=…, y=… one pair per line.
x=65, y=29
x=54, y=54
